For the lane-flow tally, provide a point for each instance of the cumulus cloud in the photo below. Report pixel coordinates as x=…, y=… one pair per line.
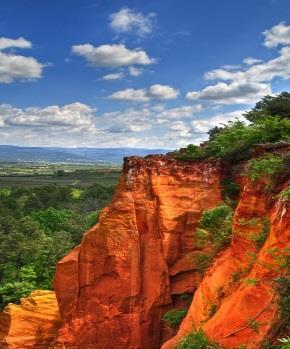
x=231, y=93
x=134, y=71
x=278, y=67
x=252, y=80
x=17, y=67
x=78, y=124
x=204, y=125
x=251, y=61
x=113, y=56
x=75, y=115
x=156, y=91
x=277, y=35
x=114, y=76
x=126, y=20
x=17, y=43
x=179, y=112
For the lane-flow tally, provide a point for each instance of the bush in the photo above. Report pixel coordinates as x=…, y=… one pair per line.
x=202, y=261
x=218, y=223
x=285, y=194
x=269, y=122
x=230, y=189
x=193, y=152
x=197, y=340
x=11, y=292
x=262, y=236
x=270, y=106
x=269, y=165
x=174, y=317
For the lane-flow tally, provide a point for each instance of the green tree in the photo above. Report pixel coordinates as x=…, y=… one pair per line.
x=278, y=105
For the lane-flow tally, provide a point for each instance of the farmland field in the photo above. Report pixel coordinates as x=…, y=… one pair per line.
x=35, y=174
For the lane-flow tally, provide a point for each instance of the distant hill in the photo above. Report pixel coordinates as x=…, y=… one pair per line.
x=10, y=153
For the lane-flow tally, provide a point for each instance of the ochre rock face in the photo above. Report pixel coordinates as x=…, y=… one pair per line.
x=133, y=266
x=136, y=263
x=32, y=324
x=240, y=283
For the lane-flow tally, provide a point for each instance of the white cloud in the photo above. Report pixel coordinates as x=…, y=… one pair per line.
x=156, y=91
x=252, y=80
x=278, y=67
x=127, y=20
x=75, y=116
x=204, y=125
x=180, y=112
x=232, y=93
x=78, y=124
x=130, y=94
x=16, y=67
x=134, y=71
x=113, y=56
x=277, y=35
x=114, y=76
x=17, y=43
x=251, y=61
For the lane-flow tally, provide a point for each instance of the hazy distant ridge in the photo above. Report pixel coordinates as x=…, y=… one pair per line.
x=10, y=153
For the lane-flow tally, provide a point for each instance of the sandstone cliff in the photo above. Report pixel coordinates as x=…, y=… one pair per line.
x=134, y=265
x=32, y=324
x=139, y=261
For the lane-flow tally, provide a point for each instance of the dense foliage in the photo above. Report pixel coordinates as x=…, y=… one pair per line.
x=268, y=165
x=271, y=106
x=174, y=317
x=215, y=225
x=269, y=121
x=38, y=226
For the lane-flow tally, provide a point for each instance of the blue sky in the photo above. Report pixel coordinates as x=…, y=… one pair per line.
x=136, y=73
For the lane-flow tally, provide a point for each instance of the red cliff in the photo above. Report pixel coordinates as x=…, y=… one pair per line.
x=134, y=265
x=241, y=281
x=139, y=261
x=32, y=324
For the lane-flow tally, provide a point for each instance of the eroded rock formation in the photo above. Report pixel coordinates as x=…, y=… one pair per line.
x=133, y=265
x=139, y=260
x=32, y=324
x=241, y=281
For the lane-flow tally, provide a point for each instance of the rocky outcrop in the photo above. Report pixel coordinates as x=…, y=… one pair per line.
x=140, y=259
x=134, y=265
x=241, y=282
x=32, y=324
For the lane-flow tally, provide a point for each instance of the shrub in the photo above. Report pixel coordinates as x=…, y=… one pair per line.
x=197, y=340
x=186, y=297
x=218, y=223
x=202, y=261
x=251, y=282
x=269, y=122
x=174, y=317
x=237, y=275
x=193, y=152
x=11, y=292
x=230, y=189
x=285, y=194
x=260, y=238
x=269, y=165
x=270, y=105
x=254, y=325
